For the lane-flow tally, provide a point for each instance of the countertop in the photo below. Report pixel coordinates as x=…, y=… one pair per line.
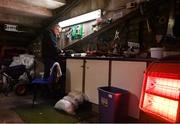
x=121, y=58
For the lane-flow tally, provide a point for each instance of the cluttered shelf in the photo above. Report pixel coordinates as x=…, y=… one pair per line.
x=113, y=24
x=104, y=29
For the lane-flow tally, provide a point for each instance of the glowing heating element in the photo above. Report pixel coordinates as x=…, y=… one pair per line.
x=163, y=107
x=164, y=87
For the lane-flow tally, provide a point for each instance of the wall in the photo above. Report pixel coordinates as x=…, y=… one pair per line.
x=89, y=5
x=9, y=51
x=85, y=6
x=141, y=29
x=111, y=9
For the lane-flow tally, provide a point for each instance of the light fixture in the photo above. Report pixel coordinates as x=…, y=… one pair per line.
x=82, y=18
x=9, y=27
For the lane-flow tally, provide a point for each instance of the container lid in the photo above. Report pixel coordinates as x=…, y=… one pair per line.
x=156, y=48
x=112, y=90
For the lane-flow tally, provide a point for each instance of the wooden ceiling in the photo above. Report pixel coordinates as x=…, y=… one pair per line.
x=29, y=16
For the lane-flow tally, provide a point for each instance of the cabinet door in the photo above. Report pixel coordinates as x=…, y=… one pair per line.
x=74, y=71
x=96, y=76
x=129, y=76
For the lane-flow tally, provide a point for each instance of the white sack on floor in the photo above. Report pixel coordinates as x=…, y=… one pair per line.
x=71, y=102
x=65, y=106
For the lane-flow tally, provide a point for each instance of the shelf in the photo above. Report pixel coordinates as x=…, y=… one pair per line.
x=136, y=13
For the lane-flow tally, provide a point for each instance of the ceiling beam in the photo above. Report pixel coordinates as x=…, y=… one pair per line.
x=18, y=8
x=21, y=20
x=21, y=28
x=25, y=37
x=17, y=34
x=14, y=43
x=49, y=4
x=60, y=12
x=61, y=1
x=14, y=39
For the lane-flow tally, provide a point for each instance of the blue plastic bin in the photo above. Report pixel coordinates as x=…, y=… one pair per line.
x=113, y=104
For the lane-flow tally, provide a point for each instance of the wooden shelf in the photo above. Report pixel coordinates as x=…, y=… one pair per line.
x=146, y=9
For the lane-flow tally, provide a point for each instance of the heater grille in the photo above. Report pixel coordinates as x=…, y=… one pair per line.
x=160, y=94
x=163, y=107
x=164, y=87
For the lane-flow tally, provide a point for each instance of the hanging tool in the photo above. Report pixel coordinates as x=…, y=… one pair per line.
x=147, y=21
x=171, y=19
x=116, y=37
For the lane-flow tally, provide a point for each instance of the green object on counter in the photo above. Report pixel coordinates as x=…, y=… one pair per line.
x=77, y=32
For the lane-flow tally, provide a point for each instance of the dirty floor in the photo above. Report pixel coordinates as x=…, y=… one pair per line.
x=8, y=105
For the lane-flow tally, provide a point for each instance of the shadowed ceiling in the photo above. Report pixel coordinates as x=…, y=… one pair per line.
x=28, y=16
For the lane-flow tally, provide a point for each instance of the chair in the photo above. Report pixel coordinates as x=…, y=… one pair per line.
x=55, y=74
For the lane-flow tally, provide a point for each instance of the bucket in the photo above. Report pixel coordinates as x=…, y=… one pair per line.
x=157, y=52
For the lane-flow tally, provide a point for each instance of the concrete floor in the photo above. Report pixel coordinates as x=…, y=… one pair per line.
x=7, y=115
x=7, y=103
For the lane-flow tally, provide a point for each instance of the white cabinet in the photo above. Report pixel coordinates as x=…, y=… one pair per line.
x=96, y=75
x=74, y=71
x=129, y=76
x=87, y=75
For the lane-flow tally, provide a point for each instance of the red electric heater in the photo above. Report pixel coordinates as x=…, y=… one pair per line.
x=160, y=95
